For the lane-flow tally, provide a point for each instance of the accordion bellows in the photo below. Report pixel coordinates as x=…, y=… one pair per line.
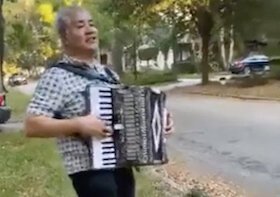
x=137, y=117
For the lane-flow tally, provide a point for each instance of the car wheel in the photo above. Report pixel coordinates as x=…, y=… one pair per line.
x=5, y=115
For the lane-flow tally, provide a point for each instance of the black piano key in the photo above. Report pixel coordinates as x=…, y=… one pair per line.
x=105, y=103
x=105, y=96
x=105, y=90
x=108, y=152
x=107, y=114
x=111, y=163
x=105, y=108
x=108, y=159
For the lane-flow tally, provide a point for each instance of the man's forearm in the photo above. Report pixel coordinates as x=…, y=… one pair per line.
x=44, y=127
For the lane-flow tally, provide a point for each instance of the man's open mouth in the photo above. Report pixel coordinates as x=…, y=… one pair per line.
x=91, y=39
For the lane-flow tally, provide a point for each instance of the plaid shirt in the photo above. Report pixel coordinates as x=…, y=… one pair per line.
x=60, y=90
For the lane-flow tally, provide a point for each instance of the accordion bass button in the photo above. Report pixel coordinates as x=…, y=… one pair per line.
x=118, y=127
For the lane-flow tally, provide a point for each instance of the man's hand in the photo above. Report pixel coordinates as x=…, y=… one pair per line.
x=169, y=124
x=91, y=126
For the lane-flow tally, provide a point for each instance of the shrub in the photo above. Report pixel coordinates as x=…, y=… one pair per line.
x=149, y=78
x=185, y=67
x=275, y=71
x=148, y=53
x=275, y=61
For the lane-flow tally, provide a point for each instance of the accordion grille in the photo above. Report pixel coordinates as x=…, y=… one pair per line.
x=133, y=140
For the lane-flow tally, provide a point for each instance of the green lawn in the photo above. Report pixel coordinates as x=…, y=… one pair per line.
x=33, y=168
x=17, y=102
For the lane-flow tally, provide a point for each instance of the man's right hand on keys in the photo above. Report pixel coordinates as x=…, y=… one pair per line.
x=92, y=126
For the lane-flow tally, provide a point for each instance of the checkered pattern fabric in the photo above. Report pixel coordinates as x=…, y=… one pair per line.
x=61, y=91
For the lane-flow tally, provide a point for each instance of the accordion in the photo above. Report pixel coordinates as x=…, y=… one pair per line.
x=137, y=117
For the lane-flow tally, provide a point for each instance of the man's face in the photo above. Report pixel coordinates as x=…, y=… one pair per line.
x=81, y=33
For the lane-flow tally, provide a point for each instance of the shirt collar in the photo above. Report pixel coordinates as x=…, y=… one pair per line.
x=92, y=64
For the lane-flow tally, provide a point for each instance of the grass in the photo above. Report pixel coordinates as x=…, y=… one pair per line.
x=33, y=168
x=267, y=89
x=18, y=102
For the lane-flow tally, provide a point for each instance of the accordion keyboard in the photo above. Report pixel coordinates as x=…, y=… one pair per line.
x=103, y=150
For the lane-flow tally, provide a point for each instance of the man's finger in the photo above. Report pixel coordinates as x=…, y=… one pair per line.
x=169, y=126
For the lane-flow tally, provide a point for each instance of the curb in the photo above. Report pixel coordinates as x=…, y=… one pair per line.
x=242, y=97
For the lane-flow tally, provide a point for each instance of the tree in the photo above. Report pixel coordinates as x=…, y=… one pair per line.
x=2, y=25
x=28, y=30
x=189, y=16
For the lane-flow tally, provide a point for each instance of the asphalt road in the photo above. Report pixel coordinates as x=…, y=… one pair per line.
x=237, y=140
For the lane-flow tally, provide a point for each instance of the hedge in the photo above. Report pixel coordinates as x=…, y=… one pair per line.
x=149, y=78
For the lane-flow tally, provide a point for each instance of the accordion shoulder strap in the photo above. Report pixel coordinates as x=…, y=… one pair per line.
x=83, y=71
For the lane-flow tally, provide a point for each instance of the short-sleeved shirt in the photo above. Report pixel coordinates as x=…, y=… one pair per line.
x=60, y=91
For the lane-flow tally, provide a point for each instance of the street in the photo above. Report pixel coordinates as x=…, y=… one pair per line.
x=237, y=140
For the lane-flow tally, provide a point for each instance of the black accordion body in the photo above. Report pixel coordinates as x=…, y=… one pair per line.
x=137, y=117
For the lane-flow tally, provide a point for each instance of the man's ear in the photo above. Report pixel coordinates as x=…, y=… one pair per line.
x=64, y=37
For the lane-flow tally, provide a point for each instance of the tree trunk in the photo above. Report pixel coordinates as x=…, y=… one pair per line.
x=2, y=26
x=232, y=43
x=223, y=47
x=134, y=56
x=117, y=54
x=205, y=24
x=204, y=64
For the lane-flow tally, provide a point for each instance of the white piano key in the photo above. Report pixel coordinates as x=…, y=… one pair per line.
x=109, y=150
x=106, y=100
x=104, y=89
x=109, y=166
x=97, y=153
x=108, y=139
x=106, y=106
x=107, y=117
x=111, y=161
x=106, y=111
x=94, y=99
x=105, y=94
x=109, y=156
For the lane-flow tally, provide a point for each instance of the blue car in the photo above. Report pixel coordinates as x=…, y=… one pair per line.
x=255, y=63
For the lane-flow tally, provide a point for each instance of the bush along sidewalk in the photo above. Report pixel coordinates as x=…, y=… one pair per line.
x=149, y=78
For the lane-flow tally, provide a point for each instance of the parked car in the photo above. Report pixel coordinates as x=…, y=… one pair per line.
x=17, y=79
x=5, y=111
x=256, y=63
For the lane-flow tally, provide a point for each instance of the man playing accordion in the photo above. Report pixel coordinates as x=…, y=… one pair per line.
x=60, y=92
